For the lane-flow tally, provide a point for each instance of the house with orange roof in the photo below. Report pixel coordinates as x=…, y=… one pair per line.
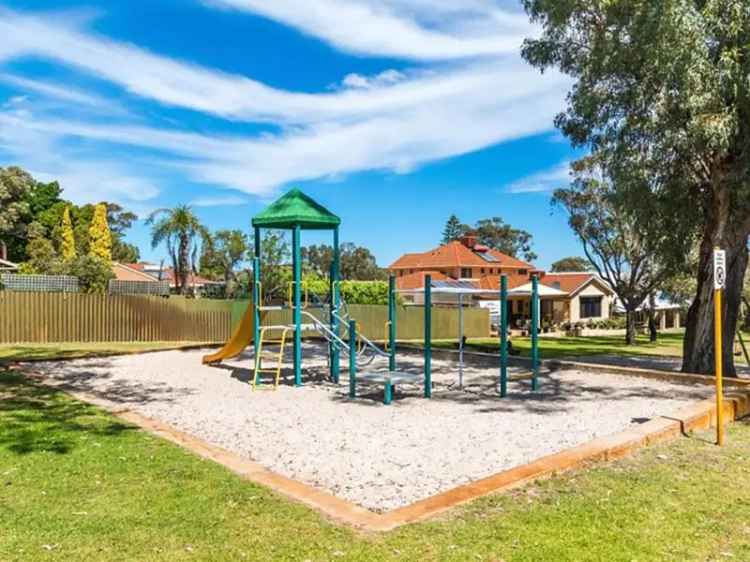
x=151, y=273
x=565, y=297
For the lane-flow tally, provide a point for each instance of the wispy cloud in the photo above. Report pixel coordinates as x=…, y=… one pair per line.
x=545, y=181
x=390, y=121
x=63, y=93
x=412, y=29
x=218, y=201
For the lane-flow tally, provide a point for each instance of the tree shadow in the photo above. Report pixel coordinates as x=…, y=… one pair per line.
x=35, y=418
x=94, y=377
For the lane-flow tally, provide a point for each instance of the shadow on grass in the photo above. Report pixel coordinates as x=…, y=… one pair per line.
x=35, y=418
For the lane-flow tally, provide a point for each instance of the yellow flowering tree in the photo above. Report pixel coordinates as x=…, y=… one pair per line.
x=68, y=238
x=100, y=238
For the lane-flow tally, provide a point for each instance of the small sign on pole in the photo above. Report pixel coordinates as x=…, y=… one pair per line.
x=720, y=278
x=720, y=269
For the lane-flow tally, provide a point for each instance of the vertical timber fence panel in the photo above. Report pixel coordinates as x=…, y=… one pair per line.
x=27, y=317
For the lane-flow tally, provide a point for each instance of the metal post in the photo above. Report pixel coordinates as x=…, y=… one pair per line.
x=719, y=281
x=503, y=335
x=256, y=307
x=256, y=294
x=333, y=350
x=428, y=336
x=461, y=341
x=534, y=333
x=352, y=358
x=391, y=323
x=297, y=266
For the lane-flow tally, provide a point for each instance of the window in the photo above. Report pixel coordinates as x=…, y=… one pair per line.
x=591, y=307
x=522, y=271
x=466, y=273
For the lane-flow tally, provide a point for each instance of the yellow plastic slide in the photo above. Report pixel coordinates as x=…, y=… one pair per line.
x=241, y=338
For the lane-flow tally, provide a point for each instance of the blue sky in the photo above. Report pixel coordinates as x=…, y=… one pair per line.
x=393, y=113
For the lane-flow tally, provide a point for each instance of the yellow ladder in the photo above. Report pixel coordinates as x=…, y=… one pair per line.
x=278, y=357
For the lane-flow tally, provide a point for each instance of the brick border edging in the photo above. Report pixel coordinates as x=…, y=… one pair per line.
x=695, y=416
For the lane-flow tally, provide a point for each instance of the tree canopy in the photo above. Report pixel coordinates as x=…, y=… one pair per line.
x=182, y=232
x=356, y=263
x=571, y=263
x=661, y=89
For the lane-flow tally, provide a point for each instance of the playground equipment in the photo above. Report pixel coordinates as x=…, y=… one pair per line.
x=295, y=211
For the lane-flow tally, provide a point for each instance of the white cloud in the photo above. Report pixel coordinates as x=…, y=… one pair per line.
x=412, y=29
x=385, y=78
x=391, y=121
x=187, y=85
x=541, y=182
x=218, y=201
x=64, y=93
x=84, y=177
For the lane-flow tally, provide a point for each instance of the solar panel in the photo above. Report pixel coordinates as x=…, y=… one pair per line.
x=453, y=284
x=486, y=256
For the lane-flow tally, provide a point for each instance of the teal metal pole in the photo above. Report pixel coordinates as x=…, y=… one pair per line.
x=256, y=242
x=352, y=358
x=256, y=289
x=534, y=333
x=503, y=335
x=297, y=266
x=391, y=323
x=256, y=305
x=428, y=336
x=333, y=349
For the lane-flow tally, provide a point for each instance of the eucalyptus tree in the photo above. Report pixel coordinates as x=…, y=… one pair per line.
x=626, y=248
x=182, y=232
x=662, y=86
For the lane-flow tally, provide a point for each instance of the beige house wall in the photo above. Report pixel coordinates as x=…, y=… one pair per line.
x=592, y=290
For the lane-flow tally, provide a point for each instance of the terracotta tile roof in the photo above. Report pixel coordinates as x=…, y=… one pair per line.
x=456, y=254
x=167, y=274
x=571, y=282
x=126, y=272
x=416, y=280
x=492, y=282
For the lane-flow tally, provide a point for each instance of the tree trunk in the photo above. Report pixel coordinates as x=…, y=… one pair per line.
x=652, y=331
x=698, y=347
x=184, y=260
x=629, y=327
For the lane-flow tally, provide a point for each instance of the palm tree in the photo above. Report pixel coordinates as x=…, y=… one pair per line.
x=180, y=229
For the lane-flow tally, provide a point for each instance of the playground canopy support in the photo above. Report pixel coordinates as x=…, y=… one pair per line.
x=296, y=212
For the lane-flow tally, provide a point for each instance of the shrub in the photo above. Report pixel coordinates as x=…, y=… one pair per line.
x=93, y=273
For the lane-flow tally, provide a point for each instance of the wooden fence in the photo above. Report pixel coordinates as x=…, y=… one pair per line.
x=72, y=317
x=371, y=321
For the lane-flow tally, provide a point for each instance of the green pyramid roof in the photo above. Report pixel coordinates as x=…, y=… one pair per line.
x=295, y=208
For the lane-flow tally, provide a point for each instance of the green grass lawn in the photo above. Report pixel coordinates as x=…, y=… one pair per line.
x=77, y=484
x=35, y=351
x=668, y=344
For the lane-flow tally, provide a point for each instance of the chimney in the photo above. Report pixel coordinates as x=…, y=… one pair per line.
x=469, y=240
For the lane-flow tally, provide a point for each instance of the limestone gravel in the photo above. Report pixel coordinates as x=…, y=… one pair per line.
x=380, y=457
